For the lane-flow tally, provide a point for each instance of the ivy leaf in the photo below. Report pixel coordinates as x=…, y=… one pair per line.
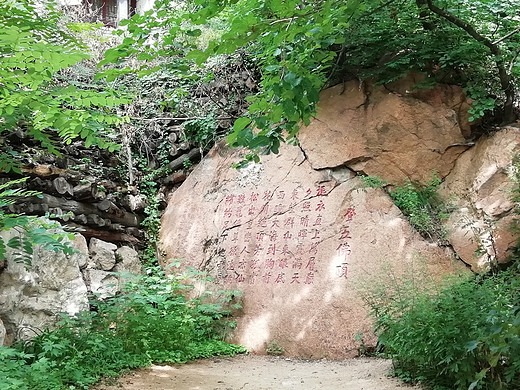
x=194, y=33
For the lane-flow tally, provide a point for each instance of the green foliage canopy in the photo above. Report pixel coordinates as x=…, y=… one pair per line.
x=302, y=46
x=290, y=40
x=474, y=44
x=33, y=49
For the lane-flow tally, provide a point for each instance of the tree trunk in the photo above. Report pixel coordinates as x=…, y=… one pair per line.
x=179, y=161
x=506, y=82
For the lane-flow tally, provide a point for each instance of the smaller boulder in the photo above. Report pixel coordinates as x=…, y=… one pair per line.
x=102, y=254
x=128, y=261
x=80, y=243
x=481, y=187
x=135, y=203
x=104, y=284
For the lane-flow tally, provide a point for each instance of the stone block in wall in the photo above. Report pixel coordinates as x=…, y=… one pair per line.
x=128, y=261
x=83, y=191
x=62, y=186
x=104, y=284
x=135, y=203
x=80, y=243
x=102, y=254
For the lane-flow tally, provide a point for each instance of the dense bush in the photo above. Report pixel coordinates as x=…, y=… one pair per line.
x=423, y=206
x=465, y=336
x=151, y=321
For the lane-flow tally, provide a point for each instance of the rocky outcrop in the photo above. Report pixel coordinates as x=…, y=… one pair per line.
x=481, y=188
x=35, y=293
x=298, y=234
x=400, y=133
x=393, y=131
x=33, y=296
x=298, y=242
x=301, y=237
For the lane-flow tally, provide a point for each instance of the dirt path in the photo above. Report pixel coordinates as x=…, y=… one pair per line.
x=264, y=373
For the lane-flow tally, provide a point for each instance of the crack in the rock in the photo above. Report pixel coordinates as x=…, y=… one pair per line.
x=454, y=163
x=345, y=164
x=305, y=157
x=216, y=251
x=467, y=145
x=366, y=94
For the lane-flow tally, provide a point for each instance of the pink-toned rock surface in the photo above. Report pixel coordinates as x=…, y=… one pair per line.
x=394, y=132
x=480, y=185
x=441, y=95
x=299, y=244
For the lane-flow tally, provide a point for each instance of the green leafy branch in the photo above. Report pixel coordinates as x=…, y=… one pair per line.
x=33, y=50
x=25, y=232
x=293, y=43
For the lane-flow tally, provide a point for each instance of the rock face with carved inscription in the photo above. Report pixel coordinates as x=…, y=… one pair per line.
x=298, y=242
x=303, y=238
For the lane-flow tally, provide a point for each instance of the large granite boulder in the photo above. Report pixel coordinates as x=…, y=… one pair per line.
x=395, y=131
x=298, y=242
x=32, y=296
x=481, y=187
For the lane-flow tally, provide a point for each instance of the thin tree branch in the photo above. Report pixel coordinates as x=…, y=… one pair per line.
x=503, y=74
x=189, y=118
x=507, y=36
x=465, y=26
x=379, y=7
x=513, y=60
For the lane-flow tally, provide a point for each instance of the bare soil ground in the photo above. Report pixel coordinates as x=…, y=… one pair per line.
x=264, y=373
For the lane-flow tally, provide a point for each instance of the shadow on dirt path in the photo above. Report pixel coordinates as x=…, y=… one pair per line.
x=264, y=373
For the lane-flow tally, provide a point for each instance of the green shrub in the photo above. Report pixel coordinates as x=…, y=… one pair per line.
x=373, y=181
x=423, y=206
x=151, y=321
x=201, y=132
x=274, y=348
x=464, y=337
